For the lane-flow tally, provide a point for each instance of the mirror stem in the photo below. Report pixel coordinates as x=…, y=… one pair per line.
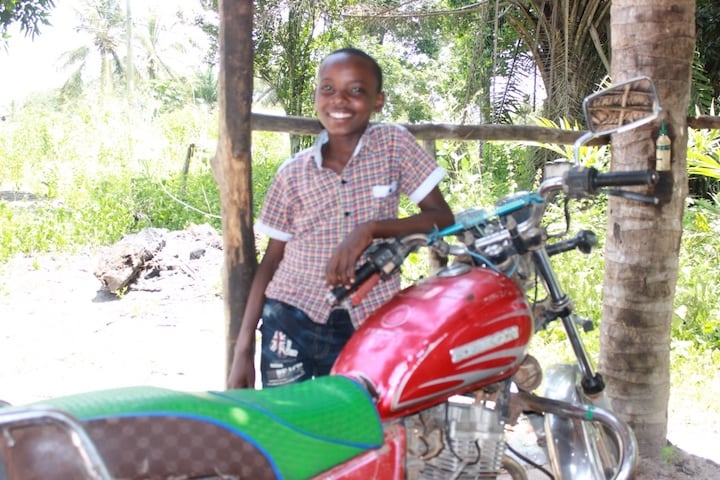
x=634, y=196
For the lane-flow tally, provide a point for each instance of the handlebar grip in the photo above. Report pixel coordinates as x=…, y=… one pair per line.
x=561, y=247
x=584, y=241
x=625, y=179
x=362, y=274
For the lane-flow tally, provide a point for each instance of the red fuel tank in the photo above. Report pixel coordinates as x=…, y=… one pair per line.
x=452, y=333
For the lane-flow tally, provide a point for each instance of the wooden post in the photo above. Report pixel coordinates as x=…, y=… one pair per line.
x=186, y=169
x=430, y=147
x=232, y=162
x=435, y=262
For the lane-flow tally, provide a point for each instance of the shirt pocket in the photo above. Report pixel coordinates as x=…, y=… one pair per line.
x=384, y=191
x=383, y=203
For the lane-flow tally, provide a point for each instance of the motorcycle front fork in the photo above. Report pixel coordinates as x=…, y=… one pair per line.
x=561, y=307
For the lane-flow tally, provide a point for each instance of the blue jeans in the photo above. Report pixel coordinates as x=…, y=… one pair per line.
x=294, y=348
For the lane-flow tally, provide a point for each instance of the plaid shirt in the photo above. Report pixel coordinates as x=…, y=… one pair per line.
x=313, y=208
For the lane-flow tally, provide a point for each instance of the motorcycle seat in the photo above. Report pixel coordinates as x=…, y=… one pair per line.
x=291, y=432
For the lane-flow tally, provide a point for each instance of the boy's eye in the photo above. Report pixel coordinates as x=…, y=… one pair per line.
x=352, y=91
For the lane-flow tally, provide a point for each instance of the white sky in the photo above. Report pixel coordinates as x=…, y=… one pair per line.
x=29, y=66
x=32, y=66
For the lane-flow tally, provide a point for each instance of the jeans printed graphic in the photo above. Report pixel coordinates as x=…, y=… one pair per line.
x=282, y=345
x=294, y=348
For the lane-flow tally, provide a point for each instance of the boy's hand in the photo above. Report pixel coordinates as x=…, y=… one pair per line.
x=242, y=373
x=340, y=270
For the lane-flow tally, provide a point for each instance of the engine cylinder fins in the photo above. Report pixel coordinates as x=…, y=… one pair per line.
x=459, y=440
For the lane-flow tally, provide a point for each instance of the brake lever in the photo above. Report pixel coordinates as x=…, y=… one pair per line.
x=638, y=197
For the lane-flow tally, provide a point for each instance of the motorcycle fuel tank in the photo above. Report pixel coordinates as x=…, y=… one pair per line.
x=452, y=333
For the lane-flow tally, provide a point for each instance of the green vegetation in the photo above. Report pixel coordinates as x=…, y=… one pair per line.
x=29, y=15
x=99, y=167
x=98, y=179
x=100, y=174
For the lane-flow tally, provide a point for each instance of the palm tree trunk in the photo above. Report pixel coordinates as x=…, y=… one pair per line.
x=654, y=38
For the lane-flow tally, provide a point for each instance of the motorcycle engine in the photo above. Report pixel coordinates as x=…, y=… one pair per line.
x=462, y=439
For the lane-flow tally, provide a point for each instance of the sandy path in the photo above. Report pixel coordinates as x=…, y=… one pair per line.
x=59, y=334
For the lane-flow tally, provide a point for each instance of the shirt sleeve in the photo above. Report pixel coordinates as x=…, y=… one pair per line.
x=419, y=172
x=275, y=218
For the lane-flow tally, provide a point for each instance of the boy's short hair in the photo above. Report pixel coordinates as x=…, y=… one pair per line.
x=360, y=53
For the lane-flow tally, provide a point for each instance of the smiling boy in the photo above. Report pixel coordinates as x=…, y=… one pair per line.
x=325, y=206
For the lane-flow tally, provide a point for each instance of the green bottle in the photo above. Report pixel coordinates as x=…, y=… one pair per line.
x=663, y=150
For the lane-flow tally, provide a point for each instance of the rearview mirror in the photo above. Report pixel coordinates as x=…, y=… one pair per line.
x=617, y=109
x=622, y=107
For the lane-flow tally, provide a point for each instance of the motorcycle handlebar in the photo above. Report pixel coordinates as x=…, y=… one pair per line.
x=584, y=241
x=383, y=259
x=626, y=179
x=580, y=182
x=577, y=182
x=362, y=275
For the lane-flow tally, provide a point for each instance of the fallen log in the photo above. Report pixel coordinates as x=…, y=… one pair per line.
x=120, y=264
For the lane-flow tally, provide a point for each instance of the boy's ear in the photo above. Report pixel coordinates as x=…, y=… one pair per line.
x=379, y=101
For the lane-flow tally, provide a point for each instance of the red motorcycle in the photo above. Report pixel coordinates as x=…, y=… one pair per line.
x=424, y=389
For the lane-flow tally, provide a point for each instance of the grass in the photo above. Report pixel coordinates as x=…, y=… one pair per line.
x=99, y=176
x=695, y=384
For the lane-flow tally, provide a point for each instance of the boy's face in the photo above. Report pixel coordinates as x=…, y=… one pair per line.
x=347, y=94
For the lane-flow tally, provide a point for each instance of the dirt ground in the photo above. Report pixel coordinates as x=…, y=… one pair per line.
x=61, y=333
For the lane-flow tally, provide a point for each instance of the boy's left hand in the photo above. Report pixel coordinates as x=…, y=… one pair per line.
x=340, y=270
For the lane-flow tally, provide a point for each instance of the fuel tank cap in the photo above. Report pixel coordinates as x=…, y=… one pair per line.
x=454, y=270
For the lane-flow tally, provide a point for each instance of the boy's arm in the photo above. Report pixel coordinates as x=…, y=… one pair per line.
x=434, y=212
x=242, y=371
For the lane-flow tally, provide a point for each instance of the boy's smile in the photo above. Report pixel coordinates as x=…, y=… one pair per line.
x=347, y=95
x=339, y=115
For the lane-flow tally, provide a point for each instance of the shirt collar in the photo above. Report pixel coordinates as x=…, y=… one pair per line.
x=323, y=138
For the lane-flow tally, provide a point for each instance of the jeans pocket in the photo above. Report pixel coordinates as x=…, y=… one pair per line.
x=338, y=332
x=272, y=309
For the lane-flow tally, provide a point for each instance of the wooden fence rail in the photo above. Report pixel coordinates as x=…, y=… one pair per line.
x=429, y=132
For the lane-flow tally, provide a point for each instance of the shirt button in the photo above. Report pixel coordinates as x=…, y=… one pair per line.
x=343, y=181
x=347, y=214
